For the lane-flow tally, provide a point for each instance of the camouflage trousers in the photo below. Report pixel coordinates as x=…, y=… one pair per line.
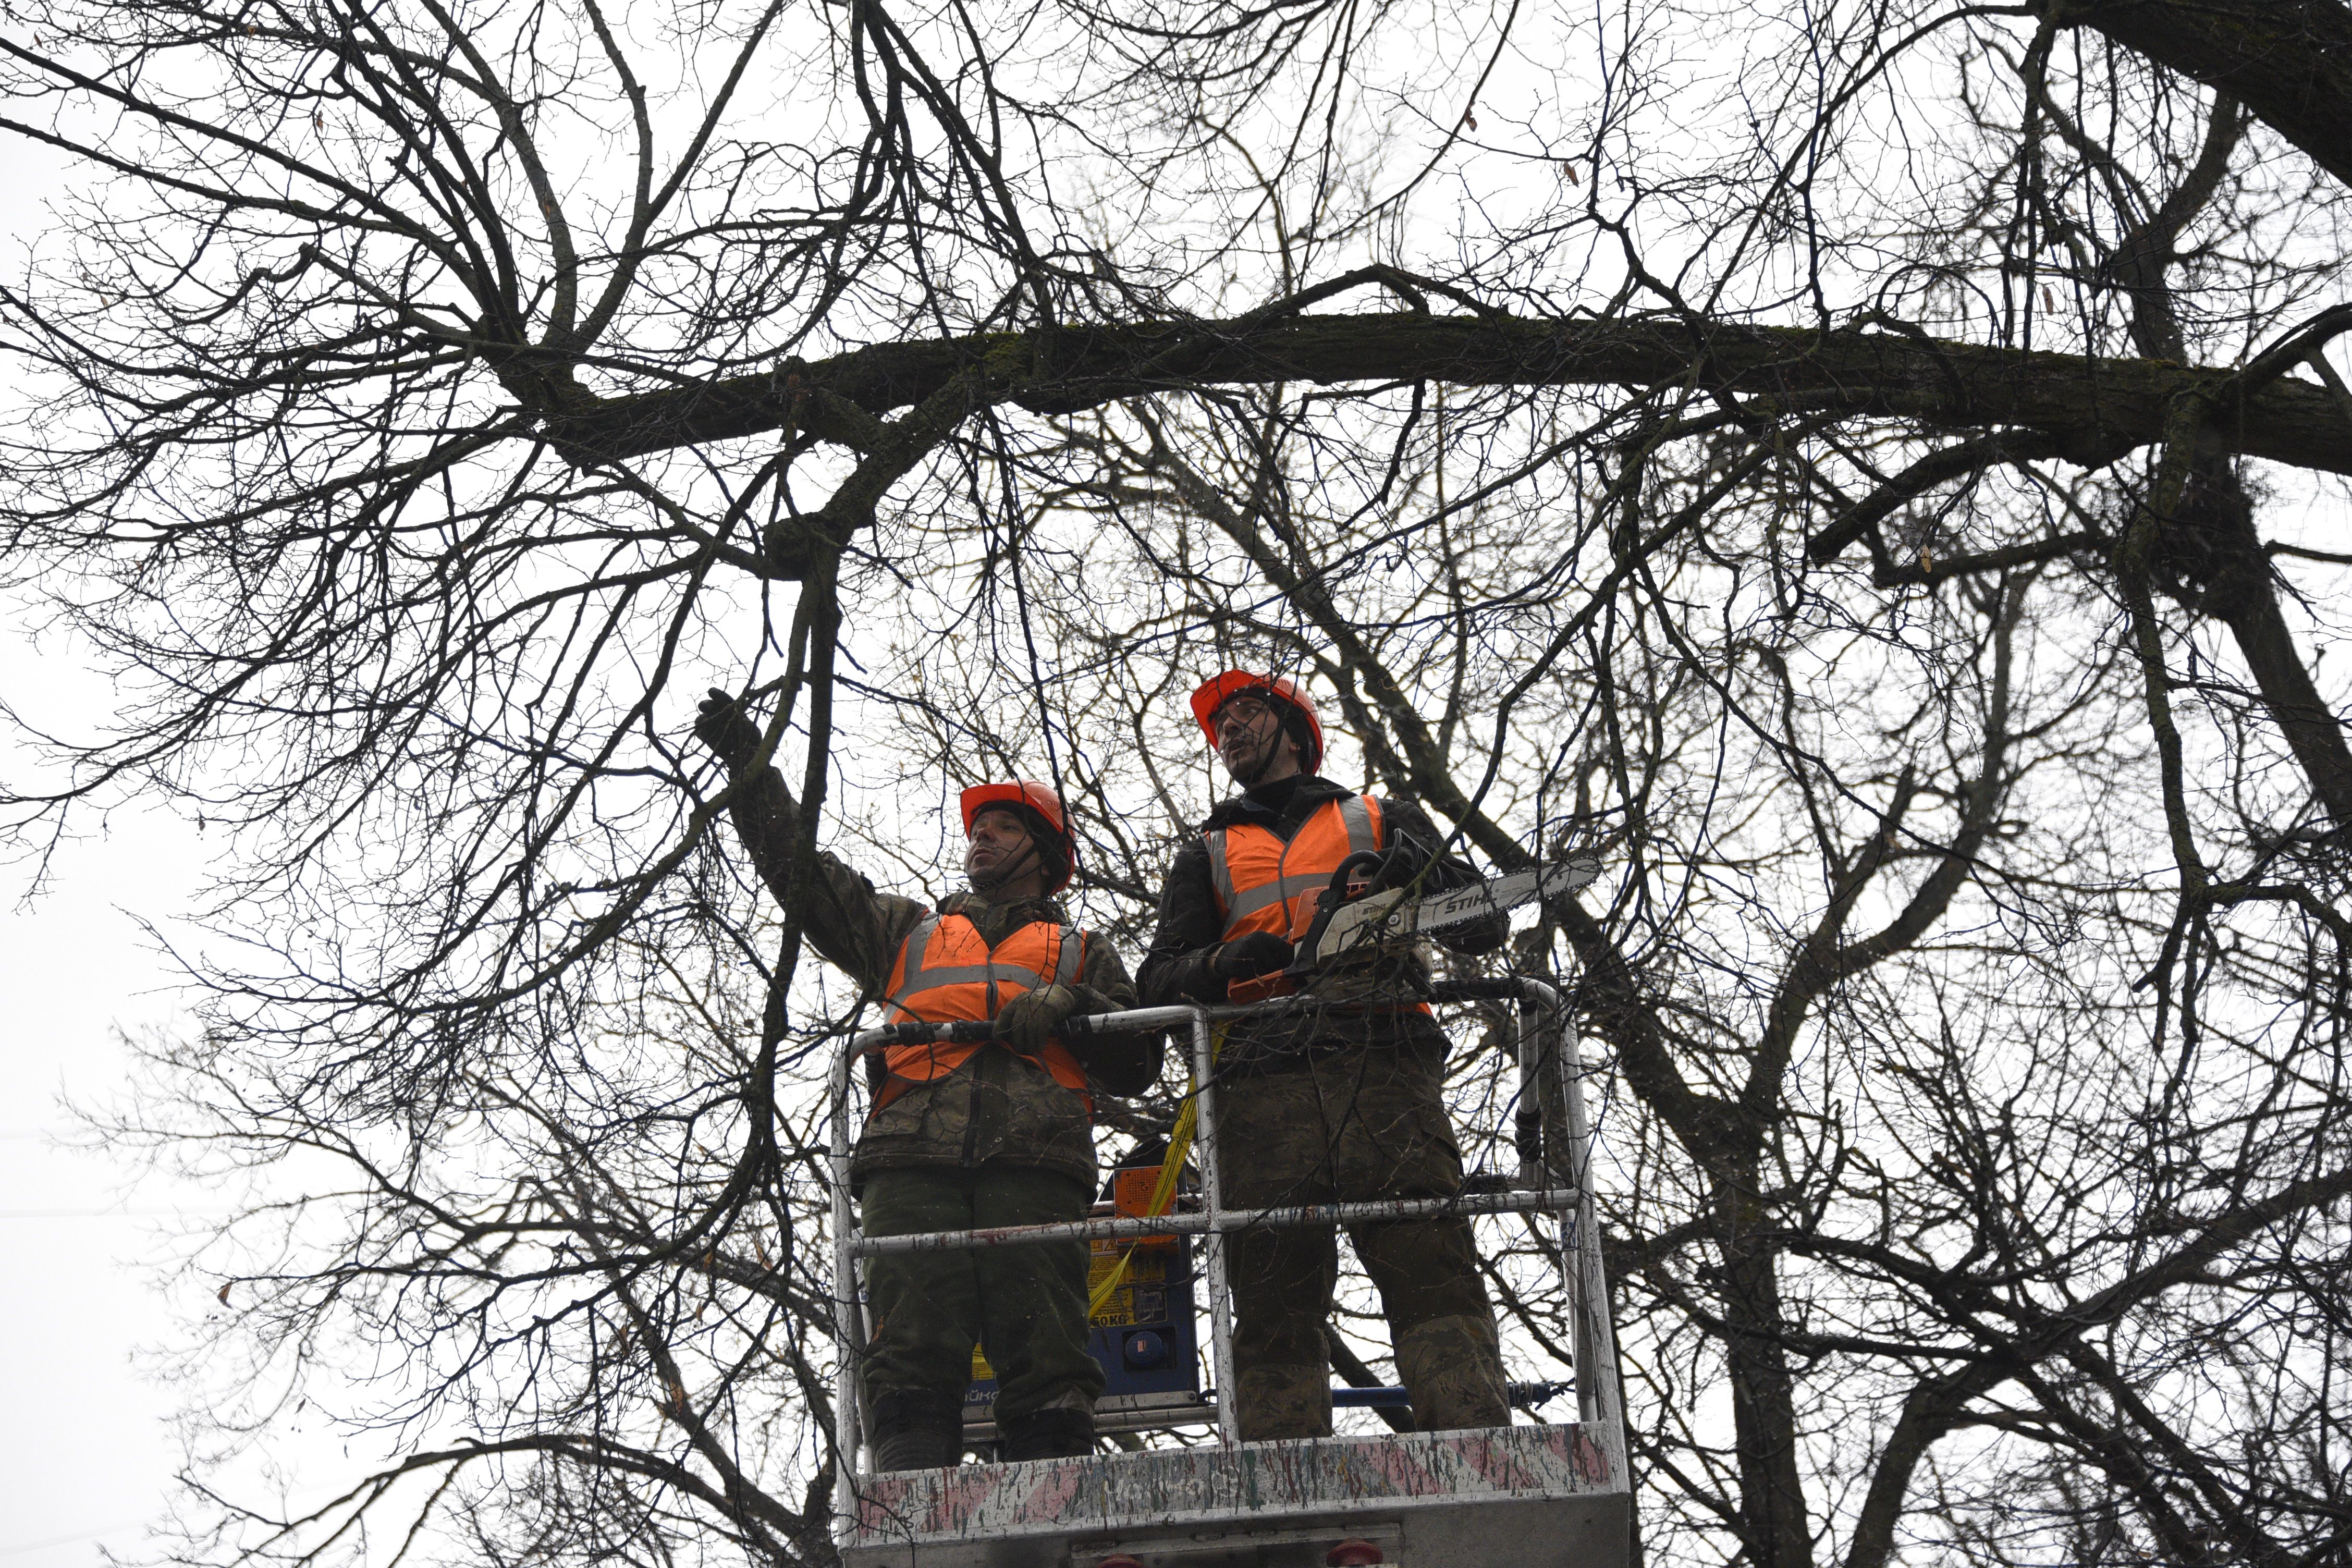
x=1026, y=1305
x=1351, y=1127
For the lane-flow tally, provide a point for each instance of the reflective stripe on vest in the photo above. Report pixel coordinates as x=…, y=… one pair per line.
x=946, y=973
x=1264, y=884
x=1252, y=870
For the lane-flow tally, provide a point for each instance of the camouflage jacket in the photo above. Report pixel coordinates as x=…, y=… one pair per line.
x=996, y=1108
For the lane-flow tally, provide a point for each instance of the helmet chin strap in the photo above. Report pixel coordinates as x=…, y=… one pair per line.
x=1031, y=861
x=1265, y=763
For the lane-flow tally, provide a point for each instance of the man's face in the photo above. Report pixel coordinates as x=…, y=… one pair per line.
x=999, y=848
x=1250, y=738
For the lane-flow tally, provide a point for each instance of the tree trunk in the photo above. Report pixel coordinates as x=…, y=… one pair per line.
x=1763, y=1396
x=2213, y=560
x=2315, y=735
x=2289, y=61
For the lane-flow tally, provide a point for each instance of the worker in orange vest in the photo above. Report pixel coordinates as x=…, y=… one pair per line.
x=967, y=1135
x=1338, y=1103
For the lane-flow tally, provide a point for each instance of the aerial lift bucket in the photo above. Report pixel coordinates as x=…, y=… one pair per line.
x=1535, y=1496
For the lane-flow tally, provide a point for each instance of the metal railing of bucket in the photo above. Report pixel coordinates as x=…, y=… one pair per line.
x=1550, y=1136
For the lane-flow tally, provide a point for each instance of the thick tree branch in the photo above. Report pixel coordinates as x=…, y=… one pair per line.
x=2093, y=408
x=1937, y=468
x=2289, y=61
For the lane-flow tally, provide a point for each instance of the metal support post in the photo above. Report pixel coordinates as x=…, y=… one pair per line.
x=847, y=1385
x=1212, y=1248
x=1561, y=1098
x=1596, y=1348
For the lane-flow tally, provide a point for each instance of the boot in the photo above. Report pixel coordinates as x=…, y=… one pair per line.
x=1282, y=1400
x=917, y=1429
x=1452, y=1368
x=1061, y=1432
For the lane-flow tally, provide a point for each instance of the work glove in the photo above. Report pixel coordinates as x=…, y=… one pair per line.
x=722, y=726
x=1030, y=1019
x=1247, y=957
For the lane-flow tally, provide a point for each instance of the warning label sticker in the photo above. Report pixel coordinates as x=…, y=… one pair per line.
x=1144, y=1287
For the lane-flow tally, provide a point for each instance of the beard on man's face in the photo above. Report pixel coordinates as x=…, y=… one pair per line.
x=1254, y=753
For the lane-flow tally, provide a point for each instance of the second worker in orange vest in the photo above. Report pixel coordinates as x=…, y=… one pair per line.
x=967, y=1135
x=1325, y=1106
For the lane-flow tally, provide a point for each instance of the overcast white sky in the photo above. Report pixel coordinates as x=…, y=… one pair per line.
x=86, y=1455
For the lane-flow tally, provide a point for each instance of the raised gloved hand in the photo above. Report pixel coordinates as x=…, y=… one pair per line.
x=1030, y=1019
x=723, y=727
x=1247, y=957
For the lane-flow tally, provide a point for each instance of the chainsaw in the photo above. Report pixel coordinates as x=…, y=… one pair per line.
x=1356, y=918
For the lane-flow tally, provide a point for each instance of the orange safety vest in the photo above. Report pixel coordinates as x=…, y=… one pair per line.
x=946, y=973
x=1263, y=884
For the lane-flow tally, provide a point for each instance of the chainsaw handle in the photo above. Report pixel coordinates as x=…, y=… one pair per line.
x=1332, y=897
x=1335, y=892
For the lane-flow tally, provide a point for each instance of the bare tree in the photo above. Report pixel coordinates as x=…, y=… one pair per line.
x=1854, y=467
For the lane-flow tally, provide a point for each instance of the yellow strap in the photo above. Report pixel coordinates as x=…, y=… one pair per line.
x=1172, y=1165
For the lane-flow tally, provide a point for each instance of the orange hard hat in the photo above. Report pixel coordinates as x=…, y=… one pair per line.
x=1218, y=689
x=1043, y=799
